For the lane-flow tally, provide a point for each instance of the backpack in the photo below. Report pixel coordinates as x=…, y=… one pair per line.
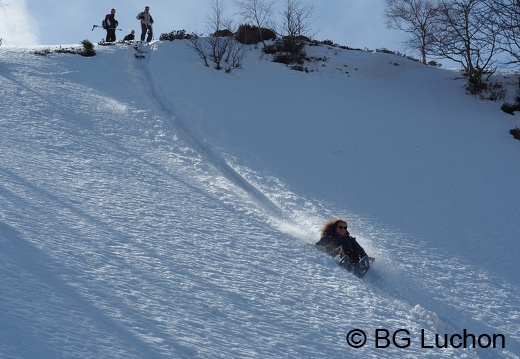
x=104, y=22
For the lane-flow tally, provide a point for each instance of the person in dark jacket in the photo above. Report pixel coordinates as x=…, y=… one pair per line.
x=130, y=36
x=336, y=240
x=110, y=25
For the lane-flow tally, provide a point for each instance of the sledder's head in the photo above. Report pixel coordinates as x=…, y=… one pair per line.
x=334, y=227
x=341, y=227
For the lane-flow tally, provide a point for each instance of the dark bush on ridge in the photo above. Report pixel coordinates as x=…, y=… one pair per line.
x=287, y=50
x=510, y=108
x=516, y=133
x=248, y=35
x=175, y=35
x=223, y=33
x=88, y=48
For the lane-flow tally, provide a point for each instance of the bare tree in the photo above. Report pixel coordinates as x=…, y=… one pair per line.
x=224, y=51
x=235, y=55
x=258, y=13
x=467, y=34
x=297, y=18
x=415, y=17
x=508, y=21
x=197, y=44
x=215, y=22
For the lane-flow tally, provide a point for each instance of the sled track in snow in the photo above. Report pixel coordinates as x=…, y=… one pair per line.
x=140, y=69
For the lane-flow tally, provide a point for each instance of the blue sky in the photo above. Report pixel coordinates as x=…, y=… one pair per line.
x=355, y=23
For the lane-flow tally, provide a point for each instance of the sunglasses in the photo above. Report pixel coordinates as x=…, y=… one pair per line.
x=341, y=227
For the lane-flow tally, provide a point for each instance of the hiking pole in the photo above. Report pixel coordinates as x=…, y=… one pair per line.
x=94, y=26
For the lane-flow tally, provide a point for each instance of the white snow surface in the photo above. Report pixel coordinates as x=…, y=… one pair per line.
x=157, y=208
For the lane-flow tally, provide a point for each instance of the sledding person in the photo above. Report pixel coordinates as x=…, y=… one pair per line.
x=336, y=240
x=146, y=24
x=110, y=24
x=130, y=36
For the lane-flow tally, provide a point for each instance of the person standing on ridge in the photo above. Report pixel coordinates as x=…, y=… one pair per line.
x=146, y=24
x=110, y=24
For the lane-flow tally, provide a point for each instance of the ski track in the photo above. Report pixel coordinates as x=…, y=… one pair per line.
x=109, y=256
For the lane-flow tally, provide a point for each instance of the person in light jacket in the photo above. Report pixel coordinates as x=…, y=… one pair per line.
x=146, y=24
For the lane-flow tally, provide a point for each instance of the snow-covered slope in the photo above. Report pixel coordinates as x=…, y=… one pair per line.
x=156, y=208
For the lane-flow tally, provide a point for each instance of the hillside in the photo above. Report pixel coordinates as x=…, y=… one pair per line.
x=156, y=208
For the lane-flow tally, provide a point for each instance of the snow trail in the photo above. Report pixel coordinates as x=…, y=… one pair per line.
x=156, y=96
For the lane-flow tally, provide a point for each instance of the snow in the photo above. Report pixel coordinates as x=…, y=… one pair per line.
x=157, y=208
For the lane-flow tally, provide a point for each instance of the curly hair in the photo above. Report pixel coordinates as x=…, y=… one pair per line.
x=329, y=228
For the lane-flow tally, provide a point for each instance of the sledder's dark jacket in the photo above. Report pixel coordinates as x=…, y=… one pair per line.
x=350, y=246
